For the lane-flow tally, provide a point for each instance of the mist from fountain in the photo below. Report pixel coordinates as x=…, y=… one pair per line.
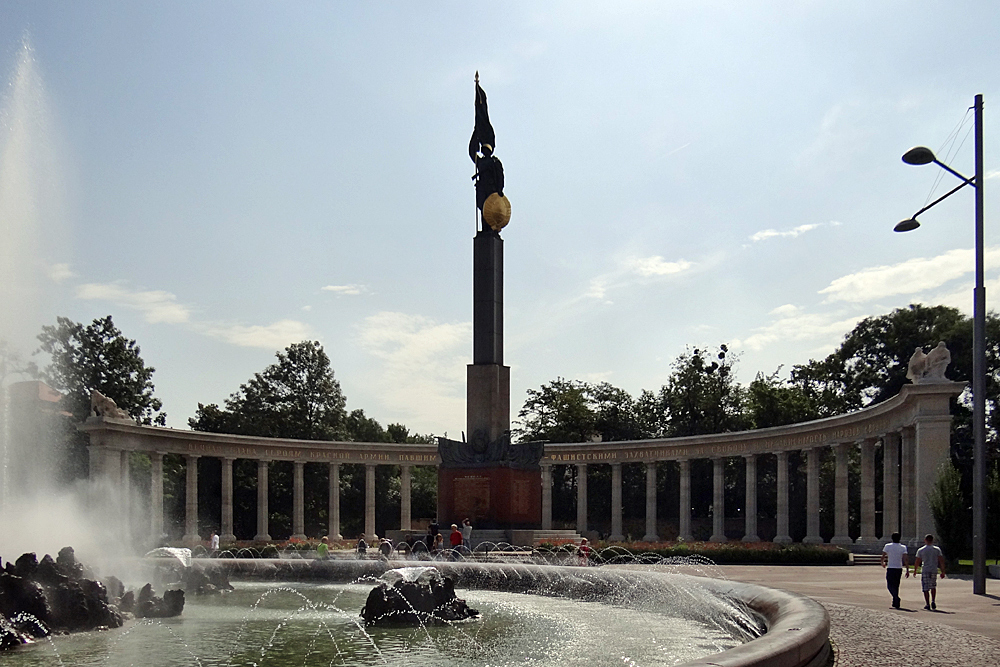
x=37, y=512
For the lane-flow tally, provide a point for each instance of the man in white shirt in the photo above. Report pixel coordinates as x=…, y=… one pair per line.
x=894, y=559
x=931, y=558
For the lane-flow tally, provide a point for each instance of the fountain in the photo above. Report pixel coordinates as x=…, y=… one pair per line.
x=297, y=611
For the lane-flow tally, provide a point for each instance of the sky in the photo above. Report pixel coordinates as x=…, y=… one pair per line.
x=228, y=178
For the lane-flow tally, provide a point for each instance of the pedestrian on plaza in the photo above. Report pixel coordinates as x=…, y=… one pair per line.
x=438, y=545
x=362, y=546
x=433, y=530
x=583, y=551
x=930, y=559
x=894, y=559
x=467, y=534
x=213, y=541
x=455, y=539
x=323, y=548
x=385, y=547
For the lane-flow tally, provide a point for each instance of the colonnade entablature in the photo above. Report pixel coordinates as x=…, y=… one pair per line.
x=913, y=428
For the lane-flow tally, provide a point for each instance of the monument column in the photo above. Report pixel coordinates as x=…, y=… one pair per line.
x=718, y=500
x=616, y=503
x=191, y=535
x=546, y=496
x=868, y=492
x=781, y=535
x=404, y=497
x=262, y=513
x=227, y=501
x=841, y=533
x=581, y=498
x=908, y=520
x=684, y=507
x=334, y=502
x=890, y=485
x=369, y=501
x=651, y=535
x=750, y=532
x=298, y=500
x=812, y=496
x=156, y=496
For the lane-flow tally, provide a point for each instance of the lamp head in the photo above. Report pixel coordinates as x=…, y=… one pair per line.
x=919, y=155
x=906, y=225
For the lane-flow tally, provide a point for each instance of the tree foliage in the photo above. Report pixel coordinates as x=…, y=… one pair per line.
x=296, y=397
x=98, y=356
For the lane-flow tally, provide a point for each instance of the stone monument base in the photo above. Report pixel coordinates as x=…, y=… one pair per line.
x=492, y=498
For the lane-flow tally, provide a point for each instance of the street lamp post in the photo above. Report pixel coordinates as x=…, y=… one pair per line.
x=918, y=156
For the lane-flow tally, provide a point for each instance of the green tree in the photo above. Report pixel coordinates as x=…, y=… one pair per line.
x=952, y=518
x=771, y=401
x=702, y=394
x=870, y=365
x=297, y=397
x=99, y=356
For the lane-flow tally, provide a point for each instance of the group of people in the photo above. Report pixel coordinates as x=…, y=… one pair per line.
x=895, y=559
x=458, y=539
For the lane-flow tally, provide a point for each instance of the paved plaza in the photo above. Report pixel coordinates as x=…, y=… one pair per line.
x=964, y=631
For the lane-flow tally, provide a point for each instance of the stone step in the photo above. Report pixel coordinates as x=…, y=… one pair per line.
x=866, y=559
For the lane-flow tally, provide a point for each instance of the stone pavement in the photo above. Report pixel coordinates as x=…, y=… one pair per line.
x=865, y=630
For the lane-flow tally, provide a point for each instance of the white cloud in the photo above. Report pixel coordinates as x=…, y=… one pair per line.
x=792, y=324
x=347, y=290
x=765, y=234
x=60, y=272
x=910, y=277
x=275, y=336
x=422, y=369
x=632, y=268
x=155, y=305
x=656, y=266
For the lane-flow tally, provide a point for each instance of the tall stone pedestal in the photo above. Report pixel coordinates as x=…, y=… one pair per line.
x=486, y=479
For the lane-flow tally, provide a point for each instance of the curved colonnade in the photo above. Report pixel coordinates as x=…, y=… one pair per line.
x=913, y=428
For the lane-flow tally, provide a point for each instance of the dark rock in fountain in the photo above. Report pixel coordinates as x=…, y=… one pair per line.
x=150, y=606
x=415, y=596
x=61, y=595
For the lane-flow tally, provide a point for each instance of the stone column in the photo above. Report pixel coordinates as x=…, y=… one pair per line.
x=651, y=535
x=298, y=500
x=126, y=490
x=908, y=520
x=226, y=534
x=718, y=500
x=868, y=492
x=369, y=501
x=684, y=508
x=191, y=535
x=933, y=449
x=546, y=496
x=750, y=532
x=581, y=498
x=334, y=503
x=890, y=485
x=156, y=496
x=781, y=535
x=840, y=522
x=263, y=517
x=404, y=497
x=616, y=503
x=812, y=496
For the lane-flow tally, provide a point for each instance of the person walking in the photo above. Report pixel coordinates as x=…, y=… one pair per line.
x=894, y=559
x=930, y=559
x=467, y=534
